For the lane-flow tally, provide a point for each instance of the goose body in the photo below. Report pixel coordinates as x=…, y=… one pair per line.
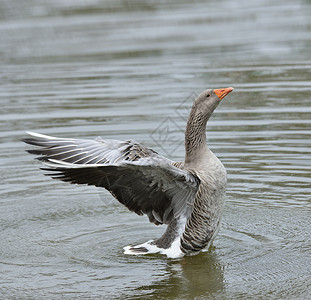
x=187, y=196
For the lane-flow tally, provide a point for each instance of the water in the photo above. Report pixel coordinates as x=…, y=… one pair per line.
x=122, y=70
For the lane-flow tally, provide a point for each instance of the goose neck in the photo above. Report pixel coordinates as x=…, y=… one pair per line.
x=195, y=137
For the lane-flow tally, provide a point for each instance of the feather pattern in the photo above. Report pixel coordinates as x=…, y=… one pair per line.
x=139, y=178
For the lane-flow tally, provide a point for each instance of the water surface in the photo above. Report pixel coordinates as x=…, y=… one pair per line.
x=123, y=70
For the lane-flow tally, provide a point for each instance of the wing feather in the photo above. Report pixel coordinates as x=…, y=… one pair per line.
x=139, y=178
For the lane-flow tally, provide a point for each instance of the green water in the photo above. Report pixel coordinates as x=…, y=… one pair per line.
x=130, y=70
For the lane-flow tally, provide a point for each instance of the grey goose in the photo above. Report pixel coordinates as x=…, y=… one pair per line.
x=187, y=196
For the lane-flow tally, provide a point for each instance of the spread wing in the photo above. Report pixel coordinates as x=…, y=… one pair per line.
x=144, y=181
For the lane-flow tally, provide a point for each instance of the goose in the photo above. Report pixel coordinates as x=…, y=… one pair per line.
x=187, y=196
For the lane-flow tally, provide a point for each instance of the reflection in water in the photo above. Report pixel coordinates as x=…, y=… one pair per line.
x=193, y=276
x=203, y=275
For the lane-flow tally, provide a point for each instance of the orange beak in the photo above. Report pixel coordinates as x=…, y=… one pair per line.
x=222, y=93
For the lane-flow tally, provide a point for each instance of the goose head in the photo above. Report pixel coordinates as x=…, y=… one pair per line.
x=208, y=100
